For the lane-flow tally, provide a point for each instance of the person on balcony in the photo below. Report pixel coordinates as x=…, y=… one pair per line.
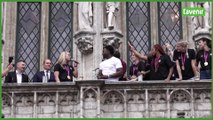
x=63, y=71
x=111, y=68
x=46, y=75
x=137, y=68
x=170, y=52
x=185, y=60
x=8, y=68
x=17, y=76
x=161, y=66
x=117, y=55
x=204, y=58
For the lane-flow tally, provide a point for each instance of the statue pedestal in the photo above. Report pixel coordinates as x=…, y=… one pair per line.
x=84, y=41
x=112, y=38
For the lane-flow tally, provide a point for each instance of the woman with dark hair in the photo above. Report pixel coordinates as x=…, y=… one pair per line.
x=203, y=58
x=161, y=66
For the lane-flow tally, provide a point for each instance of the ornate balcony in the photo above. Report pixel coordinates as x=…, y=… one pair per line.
x=103, y=99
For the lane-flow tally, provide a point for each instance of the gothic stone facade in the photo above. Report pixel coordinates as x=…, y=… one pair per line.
x=98, y=99
x=102, y=99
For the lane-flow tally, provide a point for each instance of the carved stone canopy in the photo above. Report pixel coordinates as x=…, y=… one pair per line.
x=84, y=41
x=202, y=34
x=112, y=38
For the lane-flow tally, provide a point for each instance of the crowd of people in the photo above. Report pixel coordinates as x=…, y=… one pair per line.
x=63, y=71
x=162, y=63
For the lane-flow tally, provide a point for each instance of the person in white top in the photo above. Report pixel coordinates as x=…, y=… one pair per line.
x=111, y=68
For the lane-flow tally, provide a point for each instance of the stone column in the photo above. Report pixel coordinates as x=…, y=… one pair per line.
x=89, y=43
x=154, y=23
x=44, y=32
x=186, y=26
x=9, y=31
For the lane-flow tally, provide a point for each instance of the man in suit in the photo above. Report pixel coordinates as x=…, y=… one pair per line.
x=46, y=75
x=17, y=76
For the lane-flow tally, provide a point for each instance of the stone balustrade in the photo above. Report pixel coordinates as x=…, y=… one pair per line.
x=104, y=99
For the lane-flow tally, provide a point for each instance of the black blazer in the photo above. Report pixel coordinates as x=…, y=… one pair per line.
x=38, y=77
x=12, y=78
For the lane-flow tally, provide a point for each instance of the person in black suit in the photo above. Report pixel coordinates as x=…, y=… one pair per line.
x=46, y=73
x=17, y=76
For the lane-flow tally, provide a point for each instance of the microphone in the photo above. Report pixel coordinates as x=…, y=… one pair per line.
x=74, y=61
x=95, y=69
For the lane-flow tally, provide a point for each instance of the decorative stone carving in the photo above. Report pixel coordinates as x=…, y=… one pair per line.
x=202, y=100
x=157, y=103
x=136, y=104
x=113, y=98
x=202, y=96
x=68, y=104
x=24, y=105
x=180, y=96
x=68, y=98
x=180, y=110
x=157, y=97
x=136, y=97
x=111, y=9
x=6, y=105
x=112, y=38
x=202, y=34
x=108, y=100
x=90, y=104
x=202, y=23
x=46, y=105
x=85, y=15
x=6, y=100
x=113, y=104
x=84, y=41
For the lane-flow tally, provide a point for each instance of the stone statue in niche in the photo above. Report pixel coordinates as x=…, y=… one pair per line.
x=202, y=22
x=85, y=15
x=111, y=8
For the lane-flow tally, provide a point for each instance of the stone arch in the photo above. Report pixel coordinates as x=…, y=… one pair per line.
x=46, y=104
x=113, y=93
x=6, y=99
x=6, y=104
x=90, y=103
x=112, y=104
x=180, y=103
x=185, y=92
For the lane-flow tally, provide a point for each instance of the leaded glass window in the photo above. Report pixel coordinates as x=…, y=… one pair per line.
x=60, y=29
x=138, y=25
x=28, y=35
x=170, y=24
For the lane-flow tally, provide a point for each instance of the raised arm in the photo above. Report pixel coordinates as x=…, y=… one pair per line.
x=141, y=56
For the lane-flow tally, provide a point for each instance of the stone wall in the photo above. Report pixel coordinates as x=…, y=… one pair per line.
x=102, y=99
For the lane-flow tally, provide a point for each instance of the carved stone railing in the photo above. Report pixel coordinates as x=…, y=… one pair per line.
x=103, y=99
